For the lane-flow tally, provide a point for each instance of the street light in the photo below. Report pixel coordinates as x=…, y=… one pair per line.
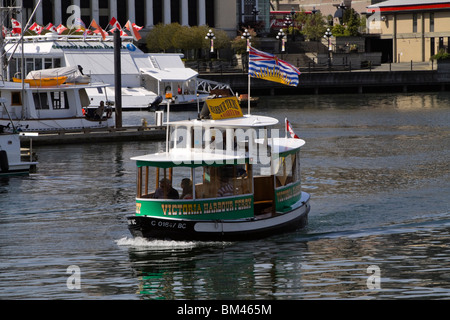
x=327, y=36
x=281, y=36
x=255, y=13
x=211, y=36
x=246, y=35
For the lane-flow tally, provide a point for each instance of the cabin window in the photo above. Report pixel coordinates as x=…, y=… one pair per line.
x=225, y=181
x=16, y=98
x=57, y=63
x=48, y=63
x=40, y=101
x=59, y=100
x=188, y=183
x=287, y=170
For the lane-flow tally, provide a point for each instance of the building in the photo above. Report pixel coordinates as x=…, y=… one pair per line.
x=326, y=7
x=221, y=14
x=410, y=30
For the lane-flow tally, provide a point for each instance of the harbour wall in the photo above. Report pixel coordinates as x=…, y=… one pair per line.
x=342, y=82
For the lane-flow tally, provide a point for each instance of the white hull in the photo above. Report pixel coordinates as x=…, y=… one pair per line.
x=10, y=156
x=48, y=125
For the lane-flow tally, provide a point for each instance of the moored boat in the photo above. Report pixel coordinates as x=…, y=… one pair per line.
x=225, y=176
x=50, y=108
x=11, y=160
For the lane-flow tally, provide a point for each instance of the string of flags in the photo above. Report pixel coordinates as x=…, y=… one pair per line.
x=78, y=27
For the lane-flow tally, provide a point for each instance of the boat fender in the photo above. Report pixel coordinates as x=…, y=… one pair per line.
x=4, y=166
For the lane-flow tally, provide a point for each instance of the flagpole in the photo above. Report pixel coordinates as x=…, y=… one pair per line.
x=248, y=88
x=285, y=127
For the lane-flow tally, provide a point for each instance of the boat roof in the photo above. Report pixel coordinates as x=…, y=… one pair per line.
x=193, y=158
x=247, y=121
x=170, y=74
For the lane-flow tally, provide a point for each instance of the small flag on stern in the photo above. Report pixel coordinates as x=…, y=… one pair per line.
x=267, y=66
x=290, y=130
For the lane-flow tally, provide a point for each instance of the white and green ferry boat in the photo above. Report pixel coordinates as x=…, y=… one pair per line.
x=228, y=177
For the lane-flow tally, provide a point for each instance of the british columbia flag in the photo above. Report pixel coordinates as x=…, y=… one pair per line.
x=267, y=66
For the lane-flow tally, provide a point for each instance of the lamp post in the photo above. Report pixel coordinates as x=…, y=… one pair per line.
x=327, y=36
x=281, y=36
x=211, y=36
x=246, y=35
x=255, y=13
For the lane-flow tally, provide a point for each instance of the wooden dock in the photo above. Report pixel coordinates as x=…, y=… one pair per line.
x=126, y=133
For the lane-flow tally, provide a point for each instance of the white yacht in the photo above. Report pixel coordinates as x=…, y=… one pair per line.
x=145, y=76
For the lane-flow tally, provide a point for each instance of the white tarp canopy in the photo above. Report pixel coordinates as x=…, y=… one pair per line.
x=73, y=74
x=170, y=74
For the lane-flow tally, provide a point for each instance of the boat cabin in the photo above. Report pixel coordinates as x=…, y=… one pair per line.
x=220, y=169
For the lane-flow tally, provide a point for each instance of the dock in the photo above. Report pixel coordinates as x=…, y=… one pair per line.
x=126, y=133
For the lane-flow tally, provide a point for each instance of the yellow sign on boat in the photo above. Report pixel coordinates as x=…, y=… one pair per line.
x=224, y=108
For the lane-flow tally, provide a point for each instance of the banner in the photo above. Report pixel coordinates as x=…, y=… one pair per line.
x=224, y=108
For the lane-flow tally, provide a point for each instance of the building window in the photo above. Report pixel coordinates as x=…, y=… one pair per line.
x=140, y=13
x=192, y=8
x=432, y=49
x=414, y=22
x=431, y=22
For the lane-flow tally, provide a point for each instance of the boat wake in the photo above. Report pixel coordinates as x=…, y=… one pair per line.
x=166, y=244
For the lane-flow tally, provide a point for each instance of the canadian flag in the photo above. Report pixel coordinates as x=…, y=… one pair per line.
x=116, y=25
x=51, y=27
x=16, y=26
x=36, y=28
x=98, y=29
x=4, y=31
x=134, y=30
x=290, y=130
x=61, y=28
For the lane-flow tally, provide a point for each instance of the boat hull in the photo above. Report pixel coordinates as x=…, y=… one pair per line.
x=57, y=124
x=219, y=230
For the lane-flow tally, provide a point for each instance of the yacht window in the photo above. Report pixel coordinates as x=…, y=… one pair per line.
x=37, y=64
x=48, y=63
x=16, y=98
x=57, y=63
x=59, y=100
x=40, y=101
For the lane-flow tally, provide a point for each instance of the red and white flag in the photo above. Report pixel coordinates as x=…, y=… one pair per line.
x=134, y=30
x=50, y=27
x=4, y=31
x=99, y=29
x=16, y=26
x=116, y=25
x=36, y=28
x=60, y=28
x=290, y=130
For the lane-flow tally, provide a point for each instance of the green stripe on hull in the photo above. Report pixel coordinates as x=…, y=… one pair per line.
x=229, y=208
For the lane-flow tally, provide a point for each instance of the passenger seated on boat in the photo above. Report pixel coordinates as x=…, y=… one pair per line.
x=186, y=185
x=226, y=188
x=99, y=111
x=165, y=190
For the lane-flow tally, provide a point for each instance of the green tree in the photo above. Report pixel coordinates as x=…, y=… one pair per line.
x=174, y=37
x=313, y=25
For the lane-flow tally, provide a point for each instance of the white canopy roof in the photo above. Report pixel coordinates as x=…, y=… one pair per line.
x=247, y=121
x=170, y=74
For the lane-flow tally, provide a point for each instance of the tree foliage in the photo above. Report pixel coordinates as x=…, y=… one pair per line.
x=175, y=37
x=351, y=22
x=239, y=45
x=313, y=25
